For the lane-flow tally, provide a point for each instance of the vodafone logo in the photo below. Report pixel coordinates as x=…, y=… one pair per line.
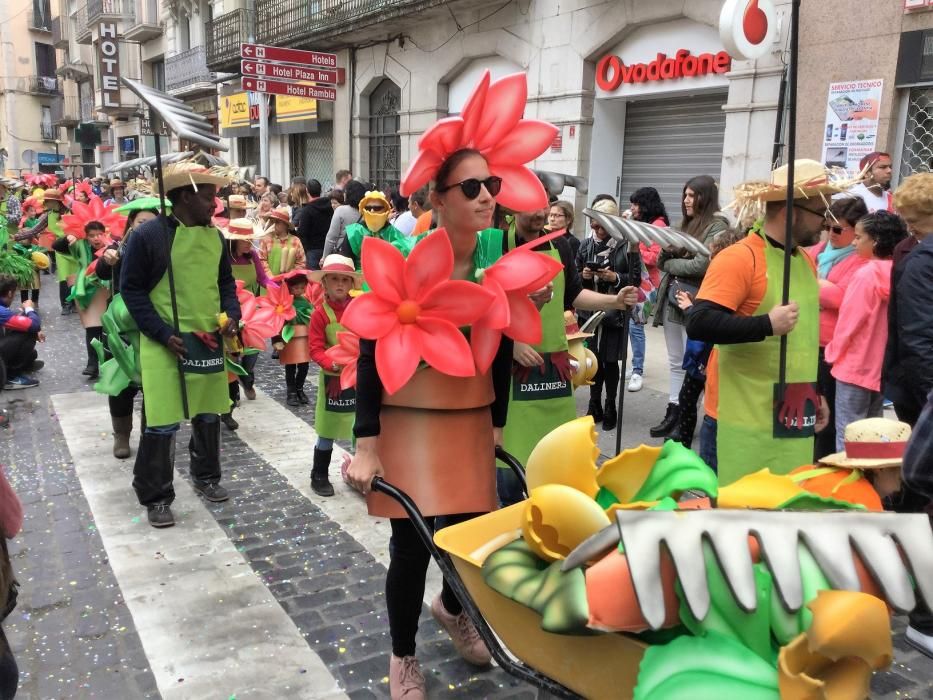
x=748, y=28
x=611, y=72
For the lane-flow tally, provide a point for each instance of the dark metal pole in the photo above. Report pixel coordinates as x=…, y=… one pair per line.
x=779, y=122
x=791, y=154
x=634, y=273
x=157, y=123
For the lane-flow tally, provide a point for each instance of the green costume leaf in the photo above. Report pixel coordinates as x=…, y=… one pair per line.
x=725, y=617
x=19, y=268
x=288, y=332
x=303, y=309
x=715, y=667
x=787, y=625
x=606, y=498
x=812, y=501
x=112, y=379
x=678, y=469
x=233, y=367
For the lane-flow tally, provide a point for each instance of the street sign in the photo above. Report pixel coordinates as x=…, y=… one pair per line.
x=275, y=53
x=282, y=71
x=293, y=89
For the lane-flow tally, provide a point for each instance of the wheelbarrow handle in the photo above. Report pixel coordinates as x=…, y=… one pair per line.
x=516, y=466
x=446, y=565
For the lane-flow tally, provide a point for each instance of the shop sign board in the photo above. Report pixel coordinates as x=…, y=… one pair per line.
x=748, y=28
x=49, y=158
x=611, y=71
x=234, y=110
x=276, y=87
x=108, y=54
x=851, y=128
x=276, y=53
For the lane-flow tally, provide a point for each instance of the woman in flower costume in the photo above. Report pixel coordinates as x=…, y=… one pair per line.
x=375, y=210
x=88, y=230
x=335, y=406
x=412, y=421
x=281, y=251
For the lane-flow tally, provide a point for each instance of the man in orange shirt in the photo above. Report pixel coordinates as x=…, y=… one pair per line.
x=749, y=424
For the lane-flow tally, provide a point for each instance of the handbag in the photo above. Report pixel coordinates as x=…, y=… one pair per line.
x=679, y=285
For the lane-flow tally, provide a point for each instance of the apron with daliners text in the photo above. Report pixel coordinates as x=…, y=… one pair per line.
x=749, y=438
x=333, y=418
x=543, y=400
x=195, y=258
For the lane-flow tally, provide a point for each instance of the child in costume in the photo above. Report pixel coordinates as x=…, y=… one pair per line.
x=32, y=213
x=412, y=423
x=292, y=343
x=66, y=266
x=280, y=251
x=374, y=210
x=335, y=408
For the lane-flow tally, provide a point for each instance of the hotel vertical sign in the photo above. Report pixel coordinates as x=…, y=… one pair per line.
x=108, y=50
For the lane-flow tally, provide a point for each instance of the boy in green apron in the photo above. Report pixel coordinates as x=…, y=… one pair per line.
x=335, y=408
x=175, y=280
x=542, y=394
x=374, y=210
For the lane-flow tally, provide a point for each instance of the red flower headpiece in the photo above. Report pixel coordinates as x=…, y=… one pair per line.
x=41, y=180
x=491, y=123
x=83, y=213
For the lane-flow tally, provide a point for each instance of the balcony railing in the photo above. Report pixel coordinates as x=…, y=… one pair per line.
x=224, y=36
x=118, y=9
x=66, y=111
x=48, y=132
x=147, y=23
x=44, y=85
x=81, y=25
x=186, y=69
x=295, y=22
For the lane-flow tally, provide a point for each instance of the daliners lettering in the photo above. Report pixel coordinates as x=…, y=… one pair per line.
x=611, y=72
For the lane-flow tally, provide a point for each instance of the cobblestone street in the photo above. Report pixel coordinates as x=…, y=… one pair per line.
x=274, y=594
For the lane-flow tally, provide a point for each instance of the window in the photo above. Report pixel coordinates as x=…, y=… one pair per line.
x=45, y=60
x=41, y=15
x=45, y=125
x=384, y=143
x=158, y=75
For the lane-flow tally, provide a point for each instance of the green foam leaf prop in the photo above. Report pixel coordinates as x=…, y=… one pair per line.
x=678, y=469
x=786, y=625
x=288, y=332
x=605, y=498
x=233, y=367
x=715, y=667
x=725, y=617
x=112, y=379
x=812, y=501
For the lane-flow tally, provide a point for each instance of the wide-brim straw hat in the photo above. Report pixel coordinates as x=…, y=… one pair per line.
x=11, y=183
x=53, y=194
x=572, y=328
x=239, y=201
x=872, y=443
x=242, y=230
x=606, y=206
x=188, y=174
x=279, y=215
x=335, y=264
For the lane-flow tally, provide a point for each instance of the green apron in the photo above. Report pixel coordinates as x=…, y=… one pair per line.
x=65, y=265
x=195, y=256
x=247, y=273
x=543, y=401
x=333, y=418
x=749, y=438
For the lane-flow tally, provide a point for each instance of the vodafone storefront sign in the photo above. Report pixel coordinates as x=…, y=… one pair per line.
x=612, y=73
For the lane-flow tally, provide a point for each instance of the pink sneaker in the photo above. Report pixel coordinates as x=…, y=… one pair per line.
x=463, y=634
x=405, y=679
x=344, y=465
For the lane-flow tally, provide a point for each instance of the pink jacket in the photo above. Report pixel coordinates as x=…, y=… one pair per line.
x=857, y=348
x=649, y=256
x=11, y=510
x=831, y=295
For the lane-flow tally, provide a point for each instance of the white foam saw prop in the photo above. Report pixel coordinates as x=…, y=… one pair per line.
x=896, y=548
x=631, y=231
x=177, y=116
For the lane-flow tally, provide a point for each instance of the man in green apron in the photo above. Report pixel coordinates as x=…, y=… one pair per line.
x=542, y=394
x=180, y=257
x=750, y=420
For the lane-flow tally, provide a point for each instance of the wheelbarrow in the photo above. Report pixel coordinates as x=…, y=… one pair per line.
x=599, y=666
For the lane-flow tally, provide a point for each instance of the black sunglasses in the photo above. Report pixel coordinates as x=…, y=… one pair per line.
x=374, y=208
x=471, y=187
x=812, y=211
x=835, y=229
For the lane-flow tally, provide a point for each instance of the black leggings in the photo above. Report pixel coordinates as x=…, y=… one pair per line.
x=25, y=294
x=295, y=376
x=89, y=335
x=408, y=565
x=687, y=401
x=607, y=373
x=121, y=405
x=64, y=289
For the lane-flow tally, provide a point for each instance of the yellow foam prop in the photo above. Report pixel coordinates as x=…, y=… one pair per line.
x=557, y=518
x=626, y=472
x=566, y=455
x=759, y=490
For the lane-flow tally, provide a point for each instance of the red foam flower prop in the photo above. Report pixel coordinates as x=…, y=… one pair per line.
x=512, y=278
x=257, y=322
x=84, y=212
x=414, y=310
x=491, y=123
x=281, y=303
x=345, y=354
x=43, y=180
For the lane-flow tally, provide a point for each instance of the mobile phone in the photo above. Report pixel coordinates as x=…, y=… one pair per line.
x=843, y=131
x=829, y=132
x=596, y=265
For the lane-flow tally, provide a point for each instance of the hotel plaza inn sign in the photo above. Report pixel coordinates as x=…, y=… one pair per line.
x=293, y=72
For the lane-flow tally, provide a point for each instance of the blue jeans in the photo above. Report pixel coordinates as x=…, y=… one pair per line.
x=636, y=334
x=708, y=442
x=324, y=444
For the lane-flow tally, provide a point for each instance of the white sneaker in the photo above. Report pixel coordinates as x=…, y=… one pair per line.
x=628, y=374
x=920, y=641
x=635, y=383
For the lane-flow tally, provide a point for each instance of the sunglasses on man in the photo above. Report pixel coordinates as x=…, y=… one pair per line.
x=374, y=208
x=471, y=188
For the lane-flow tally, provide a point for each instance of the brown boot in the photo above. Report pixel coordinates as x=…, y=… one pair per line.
x=122, y=427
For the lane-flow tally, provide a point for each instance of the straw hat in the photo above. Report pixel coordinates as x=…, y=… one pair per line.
x=872, y=443
x=52, y=194
x=189, y=174
x=239, y=201
x=242, y=230
x=606, y=206
x=339, y=265
x=279, y=215
x=572, y=328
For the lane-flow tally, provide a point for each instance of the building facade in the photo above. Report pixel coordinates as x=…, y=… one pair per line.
x=30, y=88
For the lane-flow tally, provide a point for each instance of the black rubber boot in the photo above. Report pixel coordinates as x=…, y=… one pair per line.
x=204, y=447
x=320, y=484
x=228, y=420
x=152, y=477
x=671, y=418
x=122, y=427
x=609, y=417
x=595, y=410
